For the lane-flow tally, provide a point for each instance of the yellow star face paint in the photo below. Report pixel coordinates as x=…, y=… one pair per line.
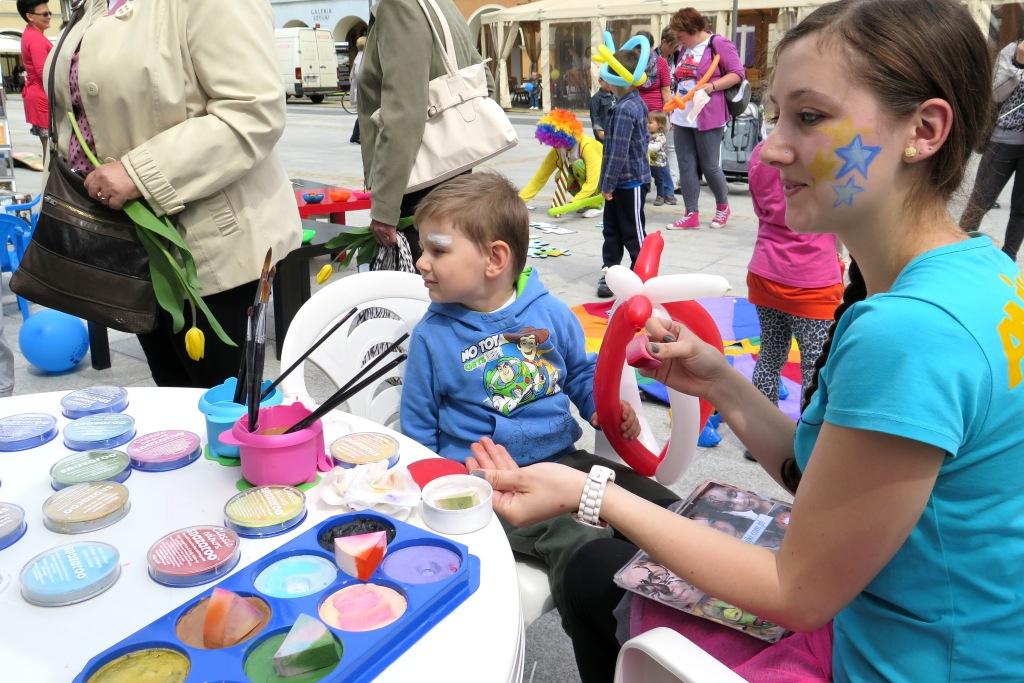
x=823, y=166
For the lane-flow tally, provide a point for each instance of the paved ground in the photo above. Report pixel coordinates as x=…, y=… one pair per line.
x=315, y=146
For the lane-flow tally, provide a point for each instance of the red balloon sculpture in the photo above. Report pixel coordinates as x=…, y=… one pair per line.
x=643, y=291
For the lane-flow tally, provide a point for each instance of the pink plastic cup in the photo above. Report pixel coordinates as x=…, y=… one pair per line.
x=287, y=459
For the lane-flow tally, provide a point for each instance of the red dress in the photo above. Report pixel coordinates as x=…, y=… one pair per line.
x=34, y=49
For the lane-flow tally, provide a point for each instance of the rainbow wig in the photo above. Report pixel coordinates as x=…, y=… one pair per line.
x=560, y=128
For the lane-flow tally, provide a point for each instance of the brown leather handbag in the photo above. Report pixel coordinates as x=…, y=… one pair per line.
x=85, y=258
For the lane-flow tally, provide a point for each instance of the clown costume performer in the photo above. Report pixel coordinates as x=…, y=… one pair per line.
x=575, y=159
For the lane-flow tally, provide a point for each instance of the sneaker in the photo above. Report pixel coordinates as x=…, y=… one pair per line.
x=603, y=290
x=690, y=221
x=670, y=200
x=659, y=201
x=678, y=190
x=722, y=214
x=593, y=213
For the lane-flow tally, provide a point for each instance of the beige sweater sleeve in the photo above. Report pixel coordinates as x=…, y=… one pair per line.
x=231, y=48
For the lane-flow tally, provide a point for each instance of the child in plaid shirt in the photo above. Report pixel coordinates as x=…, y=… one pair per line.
x=625, y=175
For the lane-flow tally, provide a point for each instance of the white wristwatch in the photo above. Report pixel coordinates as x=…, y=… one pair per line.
x=593, y=493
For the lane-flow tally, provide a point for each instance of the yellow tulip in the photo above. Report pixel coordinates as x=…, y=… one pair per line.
x=195, y=343
x=324, y=274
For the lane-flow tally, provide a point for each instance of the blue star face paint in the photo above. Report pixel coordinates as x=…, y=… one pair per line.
x=845, y=193
x=856, y=157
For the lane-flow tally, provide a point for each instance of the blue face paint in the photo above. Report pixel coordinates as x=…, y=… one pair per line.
x=857, y=157
x=845, y=193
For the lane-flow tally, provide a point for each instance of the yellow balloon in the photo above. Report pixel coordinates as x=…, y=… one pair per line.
x=555, y=73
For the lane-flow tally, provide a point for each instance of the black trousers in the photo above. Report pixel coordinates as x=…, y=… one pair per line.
x=355, y=132
x=998, y=163
x=590, y=598
x=165, y=350
x=624, y=223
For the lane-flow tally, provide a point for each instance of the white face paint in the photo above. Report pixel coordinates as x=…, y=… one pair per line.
x=439, y=240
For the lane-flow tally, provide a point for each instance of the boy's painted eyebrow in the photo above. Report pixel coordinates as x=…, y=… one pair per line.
x=439, y=240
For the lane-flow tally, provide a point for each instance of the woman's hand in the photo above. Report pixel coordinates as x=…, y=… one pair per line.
x=688, y=364
x=530, y=494
x=386, y=235
x=110, y=184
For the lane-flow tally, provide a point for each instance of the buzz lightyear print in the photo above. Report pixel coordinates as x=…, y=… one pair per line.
x=515, y=370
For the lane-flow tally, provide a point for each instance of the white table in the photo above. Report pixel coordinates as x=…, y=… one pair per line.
x=482, y=640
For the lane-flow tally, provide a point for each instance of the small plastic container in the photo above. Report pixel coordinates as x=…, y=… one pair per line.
x=363, y=448
x=265, y=511
x=164, y=450
x=94, y=432
x=222, y=412
x=93, y=401
x=456, y=521
x=12, y=524
x=274, y=458
x=70, y=573
x=90, y=466
x=26, y=430
x=194, y=555
x=83, y=508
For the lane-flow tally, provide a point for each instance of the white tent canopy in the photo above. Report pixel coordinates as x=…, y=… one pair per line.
x=505, y=24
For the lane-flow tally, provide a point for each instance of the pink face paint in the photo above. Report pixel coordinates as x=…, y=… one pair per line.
x=363, y=607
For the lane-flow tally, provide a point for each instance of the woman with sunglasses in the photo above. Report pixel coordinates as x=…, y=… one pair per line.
x=35, y=46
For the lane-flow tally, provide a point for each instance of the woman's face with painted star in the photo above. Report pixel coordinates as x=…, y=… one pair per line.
x=836, y=149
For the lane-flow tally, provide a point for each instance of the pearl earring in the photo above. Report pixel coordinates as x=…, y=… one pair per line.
x=910, y=152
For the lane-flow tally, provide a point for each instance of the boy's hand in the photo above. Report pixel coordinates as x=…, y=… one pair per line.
x=608, y=196
x=630, y=422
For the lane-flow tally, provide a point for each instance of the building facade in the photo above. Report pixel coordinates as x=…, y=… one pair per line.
x=347, y=19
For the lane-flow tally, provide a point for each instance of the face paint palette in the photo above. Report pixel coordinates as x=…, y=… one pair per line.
x=265, y=511
x=363, y=448
x=27, y=430
x=94, y=400
x=90, y=466
x=422, y=579
x=12, y=524
x=105, y=430
x=164, y=450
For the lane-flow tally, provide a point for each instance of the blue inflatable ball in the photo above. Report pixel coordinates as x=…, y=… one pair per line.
x=53, y=341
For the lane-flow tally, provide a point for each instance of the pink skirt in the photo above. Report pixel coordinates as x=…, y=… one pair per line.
x=797, y=658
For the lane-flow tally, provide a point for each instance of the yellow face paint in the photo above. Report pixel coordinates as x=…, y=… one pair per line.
x=823, y=167
x=841, y=133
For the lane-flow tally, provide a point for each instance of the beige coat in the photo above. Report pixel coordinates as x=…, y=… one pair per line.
x=186, y=94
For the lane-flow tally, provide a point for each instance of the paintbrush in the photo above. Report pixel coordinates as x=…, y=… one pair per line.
x=343, y=394
x=258, y=351
x=241, y=384
x=305, y=355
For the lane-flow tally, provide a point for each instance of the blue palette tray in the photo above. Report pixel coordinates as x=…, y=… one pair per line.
x=364, y=654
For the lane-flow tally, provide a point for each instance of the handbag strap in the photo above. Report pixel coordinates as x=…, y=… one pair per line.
x=77, y=12
x=447, y=46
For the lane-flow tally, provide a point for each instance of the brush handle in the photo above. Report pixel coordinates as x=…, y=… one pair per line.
x=343, y=394
x=304, y=356
x=246, y=350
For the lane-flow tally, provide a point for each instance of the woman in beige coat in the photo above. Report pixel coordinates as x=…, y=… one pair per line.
x=159, y=88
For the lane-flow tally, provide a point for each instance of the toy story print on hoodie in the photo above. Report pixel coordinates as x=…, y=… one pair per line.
x=509, y=375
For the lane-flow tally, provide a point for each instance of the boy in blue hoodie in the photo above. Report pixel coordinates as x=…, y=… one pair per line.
x=496, y=355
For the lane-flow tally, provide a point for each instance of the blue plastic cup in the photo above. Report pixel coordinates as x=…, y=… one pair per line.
x=221, y=412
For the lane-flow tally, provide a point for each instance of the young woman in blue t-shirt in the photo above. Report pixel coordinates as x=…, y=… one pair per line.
x=904, y=555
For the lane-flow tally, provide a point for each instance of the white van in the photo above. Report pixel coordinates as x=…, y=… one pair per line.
x=306, y=62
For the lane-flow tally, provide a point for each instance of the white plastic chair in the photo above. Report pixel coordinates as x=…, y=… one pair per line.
x=340, y=357
x=662, y=655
